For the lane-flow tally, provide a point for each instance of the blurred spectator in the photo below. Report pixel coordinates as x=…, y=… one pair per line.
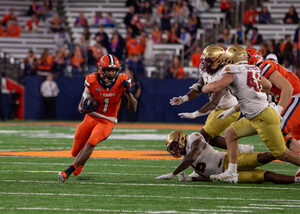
x=201, y=6
x=61, y=38
x=32, y=24
x=273, y=48
x=49, y=91
x=211, y=3
x=34, y=8
x=256, y=37
x=237, y=38
x=180, y=12
x=221, y=43
x=196, y=57
x=2, y=114
x=109, y=20
x=196, y=20
x=175, y=70
x=133, y=46
x=264, y=16
x=102, y=37
x=94, y=53
x=191, y=26
x=297, y=43
x=59, y=64
x=45, y=63
x=2, y=33
x=226, y=36
x=249, y=18
x=248, y=44
x=47, y=9
x=13, y=29
x=165, y=18
x=185, y=38
x=56, y=23
x=147, y=13
x=10, y=16
x=172, y=36
x=288, y=66
x=129, y=16
x=286, y=49
x=263, y=48
x=98, y=19
x=142, y=41
x=77, y=62
x=30, y=64
x=226, y=7
x=80, y=20
x=136, y=66
x=156, y=35
x=149, y=52
x=117, y=45
x=136, y=4
x=136, y=23
x=84, y=39
x=292, y=16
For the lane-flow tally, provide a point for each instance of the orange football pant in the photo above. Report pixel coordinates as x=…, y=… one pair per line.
x=91, y=130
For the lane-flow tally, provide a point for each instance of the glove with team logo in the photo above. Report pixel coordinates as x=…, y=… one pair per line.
x=178, y=100
x=227, y=113
x=89, y=104
x=126, y=86
x=168, y=176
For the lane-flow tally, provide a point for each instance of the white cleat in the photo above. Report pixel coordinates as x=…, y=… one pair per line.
x=194, y=174
x=225, y=177
x=244, y=148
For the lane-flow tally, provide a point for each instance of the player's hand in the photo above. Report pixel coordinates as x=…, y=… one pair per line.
x=168, y=176
x=226, y=113
x=89, y=105
x=188, y=115
x=184, y=177
x=126, y=86
x=177, y=100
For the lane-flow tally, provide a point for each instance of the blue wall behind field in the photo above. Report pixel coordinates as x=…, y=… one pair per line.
x=154, y=103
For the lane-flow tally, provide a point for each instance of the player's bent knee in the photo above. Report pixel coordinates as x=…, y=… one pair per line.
x=230, y=134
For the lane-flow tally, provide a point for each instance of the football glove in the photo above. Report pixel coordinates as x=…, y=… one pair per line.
x=178, y=100
x=126, y=86
x=88, y=106
x=192, y=115
x=227, y=113
x=168, y=176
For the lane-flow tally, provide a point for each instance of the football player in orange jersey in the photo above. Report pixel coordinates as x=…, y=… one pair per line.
x=100, y=103
x=286, y=90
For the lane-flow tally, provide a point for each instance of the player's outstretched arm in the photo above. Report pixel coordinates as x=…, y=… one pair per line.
x=218, y=85
x=229, y=112
x=131, y=101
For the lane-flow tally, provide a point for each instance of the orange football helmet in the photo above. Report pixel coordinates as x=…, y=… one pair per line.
x=109, y=68
x=254, y=56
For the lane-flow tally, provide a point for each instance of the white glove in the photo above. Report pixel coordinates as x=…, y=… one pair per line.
x=192, y=115
x=168, y=176
x=178, y=100
x=227, y=113
x=184, y=177
x=195, y=87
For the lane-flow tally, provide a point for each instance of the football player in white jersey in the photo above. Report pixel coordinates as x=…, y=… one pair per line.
x=206, y=161
x=246, y=83
x=211, y=62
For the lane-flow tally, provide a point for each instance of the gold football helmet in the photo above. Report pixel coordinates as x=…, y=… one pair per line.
x=235, y=54
x=176, y=142
x=212, y=59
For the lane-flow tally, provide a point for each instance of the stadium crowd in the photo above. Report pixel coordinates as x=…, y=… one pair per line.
x=147, y=22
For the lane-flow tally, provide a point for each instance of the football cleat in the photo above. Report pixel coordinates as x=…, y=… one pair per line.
x=225, y=177
x=78, y=170
x=244, y=148
x=62, y=177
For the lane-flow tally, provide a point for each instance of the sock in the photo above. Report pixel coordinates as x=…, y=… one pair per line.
x=232, y=167
x=70, y=170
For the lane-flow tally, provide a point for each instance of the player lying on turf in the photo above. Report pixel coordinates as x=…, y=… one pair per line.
x=206, y=161
x=211, y=63
x=100, y=103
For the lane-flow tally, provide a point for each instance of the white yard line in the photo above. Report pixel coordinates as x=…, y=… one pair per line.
x=250, y=207
x=221, y=210
x=276, y=205
x=162, y=185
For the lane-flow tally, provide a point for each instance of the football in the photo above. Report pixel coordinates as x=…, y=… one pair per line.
x=91, y=101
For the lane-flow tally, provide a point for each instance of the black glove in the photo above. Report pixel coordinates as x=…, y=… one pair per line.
x=126, y=86
x=89, y=105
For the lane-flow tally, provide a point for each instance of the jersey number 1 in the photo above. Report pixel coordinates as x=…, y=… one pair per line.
x=253, y=81
x=106, y=102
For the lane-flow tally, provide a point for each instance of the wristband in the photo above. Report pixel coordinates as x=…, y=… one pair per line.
x=199, y=88
x=185, y=98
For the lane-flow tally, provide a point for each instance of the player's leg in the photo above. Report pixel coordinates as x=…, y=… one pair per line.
x=280, y=178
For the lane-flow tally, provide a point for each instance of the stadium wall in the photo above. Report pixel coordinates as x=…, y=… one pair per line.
x=153, y=104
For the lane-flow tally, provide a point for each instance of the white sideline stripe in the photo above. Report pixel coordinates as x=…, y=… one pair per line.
x=90, y=210
x=152, y=196
x=90, y=164
x=216, y=211
x=161, y=185
x=247, y=207
x=276, y=205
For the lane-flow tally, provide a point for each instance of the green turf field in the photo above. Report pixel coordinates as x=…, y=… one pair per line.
x=29, y=184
